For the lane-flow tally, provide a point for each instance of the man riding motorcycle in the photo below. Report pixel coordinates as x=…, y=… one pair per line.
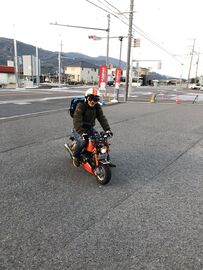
x=84, y=120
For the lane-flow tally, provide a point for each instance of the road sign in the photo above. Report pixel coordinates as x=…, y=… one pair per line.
x=118, y=77
x=102, y=77
x=136, y=42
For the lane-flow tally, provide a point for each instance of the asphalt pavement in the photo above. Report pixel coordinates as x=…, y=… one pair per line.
x=150, y=216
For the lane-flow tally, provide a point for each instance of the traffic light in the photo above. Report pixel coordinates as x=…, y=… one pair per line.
x=93, y=37
x=136, y=42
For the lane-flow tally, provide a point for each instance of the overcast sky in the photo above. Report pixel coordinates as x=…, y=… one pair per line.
x=171, y=24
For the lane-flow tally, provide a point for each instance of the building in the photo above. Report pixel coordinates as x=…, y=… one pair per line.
x=82, y=72
x=29, y=66
x=7, y=76
x=26, y=74
x=139, y=76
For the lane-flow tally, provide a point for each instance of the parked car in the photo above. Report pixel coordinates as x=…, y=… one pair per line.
x=195, y=86
x=110, y=83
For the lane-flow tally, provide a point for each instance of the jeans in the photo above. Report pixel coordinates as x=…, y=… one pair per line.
x=80, y=142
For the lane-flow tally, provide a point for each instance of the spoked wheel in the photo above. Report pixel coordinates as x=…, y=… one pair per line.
x=103, y=174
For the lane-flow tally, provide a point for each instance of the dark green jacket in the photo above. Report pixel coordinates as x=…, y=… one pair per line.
x=84, y=117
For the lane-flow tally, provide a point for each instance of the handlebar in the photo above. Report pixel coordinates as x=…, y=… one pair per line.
x=102, y=136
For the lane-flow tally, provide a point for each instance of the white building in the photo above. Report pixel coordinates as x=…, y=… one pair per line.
x=29, y=66
x=82, y=71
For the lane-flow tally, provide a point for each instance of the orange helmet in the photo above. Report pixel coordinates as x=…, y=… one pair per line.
x=92, y=93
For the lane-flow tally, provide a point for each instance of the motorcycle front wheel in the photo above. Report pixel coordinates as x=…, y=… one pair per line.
x=103, y=174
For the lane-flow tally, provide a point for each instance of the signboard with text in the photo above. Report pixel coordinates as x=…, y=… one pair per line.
x=102, y=77
x=118, y=77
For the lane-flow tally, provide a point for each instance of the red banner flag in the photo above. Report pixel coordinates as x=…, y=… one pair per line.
x=118, y=77
x=102, y=77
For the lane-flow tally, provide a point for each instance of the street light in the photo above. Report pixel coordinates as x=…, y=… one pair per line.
x=192, y=53
x=129, y=49
x=94, y=37
x=93, y=28
x=197, y=63
x=121, y=39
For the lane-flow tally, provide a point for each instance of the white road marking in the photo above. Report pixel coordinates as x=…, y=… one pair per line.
x=30, y=114
x=15, y=101
x=21, y=103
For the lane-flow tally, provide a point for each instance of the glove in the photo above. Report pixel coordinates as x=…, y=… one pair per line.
x=84, y=136
x=109, y=133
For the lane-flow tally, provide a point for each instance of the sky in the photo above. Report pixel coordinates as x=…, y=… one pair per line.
x=172, y=25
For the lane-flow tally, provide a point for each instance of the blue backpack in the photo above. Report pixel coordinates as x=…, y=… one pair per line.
x=74, y=103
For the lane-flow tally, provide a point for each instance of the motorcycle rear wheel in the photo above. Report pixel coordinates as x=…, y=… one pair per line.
x=103, y=174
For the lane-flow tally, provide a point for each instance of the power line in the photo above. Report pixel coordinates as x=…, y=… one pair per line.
x=111, y=5
x=139, y=30
x=97, y=6
x=105, y=5
x=107, y=11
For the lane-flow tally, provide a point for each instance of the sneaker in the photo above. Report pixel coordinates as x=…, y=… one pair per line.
x=76, y=162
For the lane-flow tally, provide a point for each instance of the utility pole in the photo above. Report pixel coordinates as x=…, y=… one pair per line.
x=193, y=48
x=16, y=62
x=130, y=75
x=37, y=67
x=59, y=65
x=107, y=49
x=197, y=63
x=181, y=75
x=129, y=49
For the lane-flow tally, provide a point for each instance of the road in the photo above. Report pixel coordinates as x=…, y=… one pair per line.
x=27, y=101
x=24, y=101
x=56, y=216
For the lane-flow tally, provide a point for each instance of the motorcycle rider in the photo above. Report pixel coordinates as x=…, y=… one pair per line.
x=84, y=120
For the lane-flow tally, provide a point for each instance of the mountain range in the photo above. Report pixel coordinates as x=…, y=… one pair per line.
x=49, y=59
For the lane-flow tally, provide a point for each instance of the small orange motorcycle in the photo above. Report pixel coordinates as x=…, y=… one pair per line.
x=95, y=157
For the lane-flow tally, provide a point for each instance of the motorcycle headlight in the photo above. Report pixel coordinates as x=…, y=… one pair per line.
x=103, y=150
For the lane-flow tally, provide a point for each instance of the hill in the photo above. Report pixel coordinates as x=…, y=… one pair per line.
x=49, y=59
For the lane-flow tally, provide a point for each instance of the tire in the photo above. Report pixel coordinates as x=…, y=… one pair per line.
x=103, y=174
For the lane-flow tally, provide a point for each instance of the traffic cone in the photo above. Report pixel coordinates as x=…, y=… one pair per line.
x=177, y=100
x=152, y=100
